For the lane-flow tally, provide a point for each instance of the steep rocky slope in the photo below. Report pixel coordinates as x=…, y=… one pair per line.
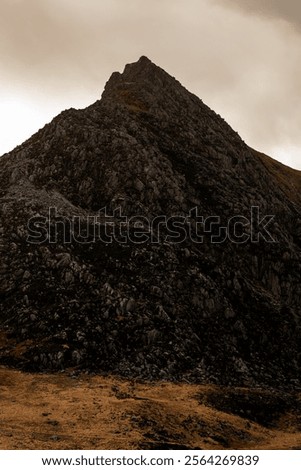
x=207, y=308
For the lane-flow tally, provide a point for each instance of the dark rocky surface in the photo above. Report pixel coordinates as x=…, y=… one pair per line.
x=199, y=310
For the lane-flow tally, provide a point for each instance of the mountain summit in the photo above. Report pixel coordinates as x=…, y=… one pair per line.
x=141, y=236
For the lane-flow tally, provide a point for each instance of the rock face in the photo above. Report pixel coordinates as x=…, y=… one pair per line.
x=212, y=294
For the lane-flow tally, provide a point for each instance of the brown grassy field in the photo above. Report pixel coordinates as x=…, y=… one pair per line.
x=58, y=411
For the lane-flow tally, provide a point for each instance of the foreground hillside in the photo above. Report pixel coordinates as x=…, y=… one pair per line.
x=70, y=411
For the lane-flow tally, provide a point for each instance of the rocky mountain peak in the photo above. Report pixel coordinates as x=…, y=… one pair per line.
x=200, y=293
x=146, y=87
x=140, y=74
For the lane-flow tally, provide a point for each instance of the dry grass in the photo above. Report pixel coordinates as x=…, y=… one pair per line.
x=132, y=102
x=60, y=412
x=287, y=178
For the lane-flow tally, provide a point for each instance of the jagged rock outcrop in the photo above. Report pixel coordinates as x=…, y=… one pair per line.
x=205, y=306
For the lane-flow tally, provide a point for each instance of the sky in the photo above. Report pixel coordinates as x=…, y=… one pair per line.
x=241, y=57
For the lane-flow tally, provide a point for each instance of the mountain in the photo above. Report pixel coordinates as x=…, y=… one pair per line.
x=141, y=236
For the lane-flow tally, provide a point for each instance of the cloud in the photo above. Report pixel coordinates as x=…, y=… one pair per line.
x=287, y=10
x=59, y=42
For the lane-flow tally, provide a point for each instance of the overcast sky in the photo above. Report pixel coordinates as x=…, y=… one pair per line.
x=242, y=57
